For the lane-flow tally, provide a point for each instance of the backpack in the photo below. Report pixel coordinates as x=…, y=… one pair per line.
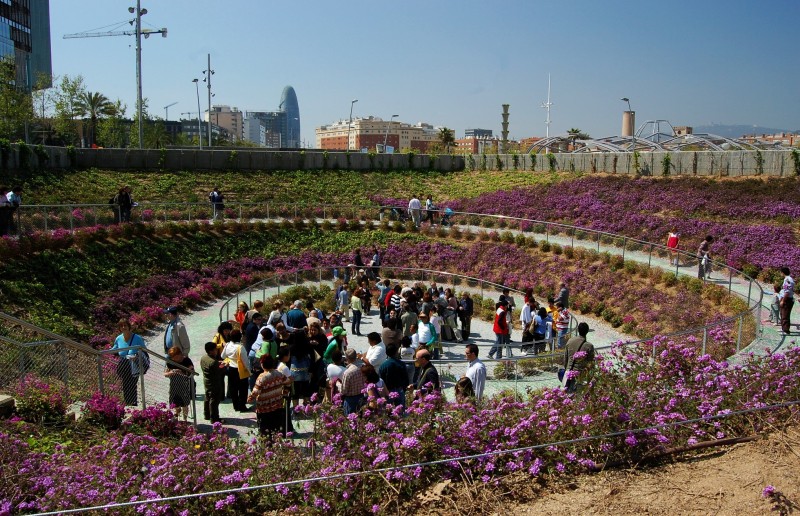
x=112, y=201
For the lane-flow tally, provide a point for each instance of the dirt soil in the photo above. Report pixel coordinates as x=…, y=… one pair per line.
x=723, y=481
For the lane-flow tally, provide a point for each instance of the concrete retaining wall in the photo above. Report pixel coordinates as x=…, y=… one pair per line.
x=701, y=163
x=778, y=163
x=227, y=159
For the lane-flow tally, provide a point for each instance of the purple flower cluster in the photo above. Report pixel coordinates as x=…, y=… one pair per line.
x=103, y=411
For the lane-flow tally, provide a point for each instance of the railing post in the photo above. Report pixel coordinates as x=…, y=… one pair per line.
x=100, y=385
x=598, y=241
x=572, y=242
x=624, y=245
x=240, y=213
x=547, y=232
x=749, y=292
x=650, y=257
x=739, y=336
x=190, y=213
x=71, y=219
x=516, y=377
x=730, y=280
x=267, y=211
x=141, y=378
x=705, y=338
x=19, y=229
x=193, y=391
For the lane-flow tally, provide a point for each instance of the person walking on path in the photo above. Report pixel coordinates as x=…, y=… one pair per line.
x=787, y=300
x=704, y=258
x=213, y=381
x=578, y=357
x=129, y=358
x=476, y=372
x=217, y=201
x=175, y=334
x=415, y=209
x=672, y=245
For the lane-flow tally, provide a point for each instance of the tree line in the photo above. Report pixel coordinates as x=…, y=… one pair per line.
x=68, y=113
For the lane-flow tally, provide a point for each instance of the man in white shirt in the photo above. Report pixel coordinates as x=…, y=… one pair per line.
x=476, y=372
x=376, y=354
x=415, y=209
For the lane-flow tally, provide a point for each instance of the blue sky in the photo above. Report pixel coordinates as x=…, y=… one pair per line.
x=453, y=63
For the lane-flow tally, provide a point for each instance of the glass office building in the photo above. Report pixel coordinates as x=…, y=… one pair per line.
x=25, y=37
x=291, y=130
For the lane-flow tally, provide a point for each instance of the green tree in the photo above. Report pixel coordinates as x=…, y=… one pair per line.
x=68, y=124
x=112, y=131
x=94, y=105
x=44, y=99
x=447, y=138
x=16, y=108
x=577, y=134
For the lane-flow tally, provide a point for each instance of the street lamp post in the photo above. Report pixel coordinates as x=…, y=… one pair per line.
x=199, y=127
x=386, y=136
x=350, y=122
x=208, y=73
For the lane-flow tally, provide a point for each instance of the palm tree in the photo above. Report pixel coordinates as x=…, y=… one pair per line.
x=577, y=134
x=94, y=105
x=446, y=138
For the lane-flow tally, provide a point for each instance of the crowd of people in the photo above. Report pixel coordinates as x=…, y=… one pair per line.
x=274, y=358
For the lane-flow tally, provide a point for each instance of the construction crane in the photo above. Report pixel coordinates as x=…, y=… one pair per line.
x=166, y=111
x=138, y=32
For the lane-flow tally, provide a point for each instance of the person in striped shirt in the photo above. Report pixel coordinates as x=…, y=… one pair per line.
x=562, y=324
x=268, y=394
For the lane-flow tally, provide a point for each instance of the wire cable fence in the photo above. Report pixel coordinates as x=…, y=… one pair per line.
x=438, y=462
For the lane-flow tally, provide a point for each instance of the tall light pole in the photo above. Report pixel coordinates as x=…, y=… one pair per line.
x=386, y=136
x=350, y=122
x=199, y=127
x=208, y=72
x=139, y=13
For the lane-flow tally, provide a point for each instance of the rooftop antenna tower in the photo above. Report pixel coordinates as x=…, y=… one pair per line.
x=547, y=106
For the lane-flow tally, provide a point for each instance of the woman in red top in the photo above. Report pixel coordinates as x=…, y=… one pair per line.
x=672, y=244
x=241, y=312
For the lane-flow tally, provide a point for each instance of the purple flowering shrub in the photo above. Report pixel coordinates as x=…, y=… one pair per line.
x=38, y=401
x=156, y=420
x=103, y=411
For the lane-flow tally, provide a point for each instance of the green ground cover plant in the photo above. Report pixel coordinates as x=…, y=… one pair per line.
x=308, y=186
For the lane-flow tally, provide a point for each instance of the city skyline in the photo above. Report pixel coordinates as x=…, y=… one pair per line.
x=452, y=64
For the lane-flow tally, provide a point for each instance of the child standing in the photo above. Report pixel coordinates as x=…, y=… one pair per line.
x=775, y=306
